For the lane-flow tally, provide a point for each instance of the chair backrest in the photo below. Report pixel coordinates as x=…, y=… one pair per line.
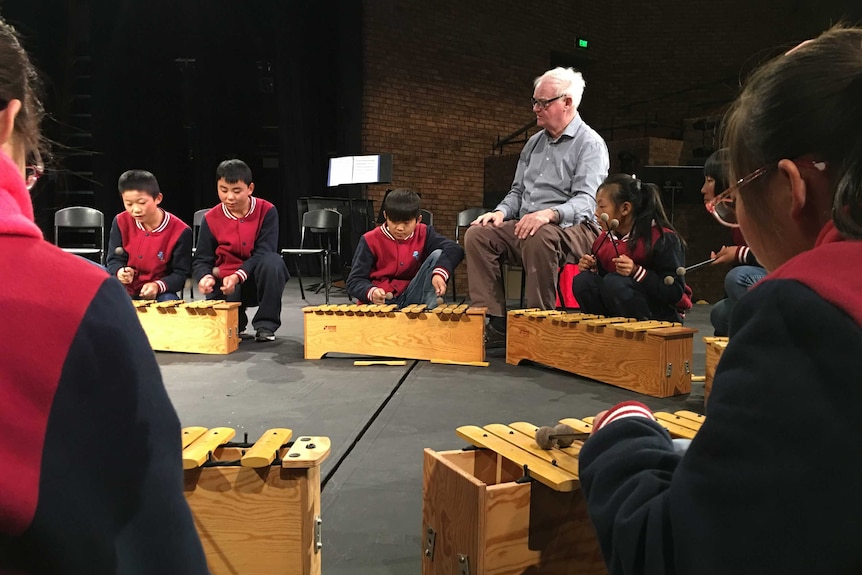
x=427, y=217
x=321, y=222
x=79, y=217
x=465, y=218
x=88, y=221
x=196, y=225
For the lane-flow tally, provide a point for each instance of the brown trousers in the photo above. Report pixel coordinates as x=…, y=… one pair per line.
x=542, y=255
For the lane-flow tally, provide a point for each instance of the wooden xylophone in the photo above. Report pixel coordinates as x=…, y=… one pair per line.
x=208, y=326
x=478, y=511
x=449, y=332
x=714, y=348
x=649, y=357
x=256, y=506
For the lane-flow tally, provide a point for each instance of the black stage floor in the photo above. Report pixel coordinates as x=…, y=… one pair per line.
x=379, y=420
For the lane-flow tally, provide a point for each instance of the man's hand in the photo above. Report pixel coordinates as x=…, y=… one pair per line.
x=206, y=285
x=149, y=290
x=587, y=263
x=494, y=218
x=228, y=284
x=624, y=265
x=439, y=285
x=726, y=255
x=530, y=224
x=126, y=275
x=378, y=296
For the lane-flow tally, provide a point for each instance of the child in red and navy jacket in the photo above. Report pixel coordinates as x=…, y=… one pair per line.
x=149, y=250
x=746, y=270
x=403, y=261
x=632, y=260
x=756, y=492
x=237, y=255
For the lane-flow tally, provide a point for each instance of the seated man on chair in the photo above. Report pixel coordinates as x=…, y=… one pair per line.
x=547, y=218
x=402, y=261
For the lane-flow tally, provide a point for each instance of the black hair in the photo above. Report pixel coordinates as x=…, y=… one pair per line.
x=20, y=80
x=646, y=207
x=716, y=168
x=402, y=205
x=807, y=102
x=138, y=180
x=233, y=171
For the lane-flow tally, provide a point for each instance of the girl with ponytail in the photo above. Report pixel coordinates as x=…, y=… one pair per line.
x=625, y=273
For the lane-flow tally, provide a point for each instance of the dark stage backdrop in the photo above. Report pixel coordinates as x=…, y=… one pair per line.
x=176, y=87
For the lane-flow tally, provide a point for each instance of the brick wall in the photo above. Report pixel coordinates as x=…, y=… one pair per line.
x=442, y=80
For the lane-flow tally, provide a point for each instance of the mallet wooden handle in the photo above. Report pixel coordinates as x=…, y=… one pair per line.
x=365, y=363
x=470, y=363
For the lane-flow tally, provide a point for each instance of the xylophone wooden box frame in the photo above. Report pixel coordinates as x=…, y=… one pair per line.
x=714, y=348
x=207, y=326
x=451, y=332
x=650, y=357
x=256, y=507
x=480, y=516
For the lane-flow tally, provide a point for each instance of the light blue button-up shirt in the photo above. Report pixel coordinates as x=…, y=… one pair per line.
x=563, y=174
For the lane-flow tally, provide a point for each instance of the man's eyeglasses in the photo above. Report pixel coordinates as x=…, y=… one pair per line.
x=543, y=104
x=723, y=206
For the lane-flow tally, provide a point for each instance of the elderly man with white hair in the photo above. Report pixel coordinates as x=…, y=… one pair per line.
x=548, y=217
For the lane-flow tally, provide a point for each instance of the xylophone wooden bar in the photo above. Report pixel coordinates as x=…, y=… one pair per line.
x=257, y=506
x=714, y=348
x=479, y=516
x=649, y=357
x=454, y=333
x=208, y=326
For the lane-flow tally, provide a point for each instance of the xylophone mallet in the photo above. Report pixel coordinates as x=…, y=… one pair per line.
x=681, y=271
x=120, y=251
x=561, y=435
x=216, y=272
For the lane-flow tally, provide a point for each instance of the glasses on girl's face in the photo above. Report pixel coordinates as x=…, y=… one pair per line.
x=723, y=206
x=32, y=173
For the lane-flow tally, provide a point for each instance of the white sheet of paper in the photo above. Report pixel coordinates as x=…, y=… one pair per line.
x=340, y=171
x=365, y=169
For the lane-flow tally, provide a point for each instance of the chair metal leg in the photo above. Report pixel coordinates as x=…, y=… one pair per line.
x=324, y=272
x=299, y=277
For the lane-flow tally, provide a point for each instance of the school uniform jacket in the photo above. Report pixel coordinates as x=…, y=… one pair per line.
x=744, y=255
x=90, y=464
x=770, y=484
x=383, y=262
x=235, y=245
x=163, y=255
x=650, y=270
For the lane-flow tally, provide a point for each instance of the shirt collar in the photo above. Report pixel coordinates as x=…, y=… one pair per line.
x=161, y=227
x=386, y=233
x=570, y=130
x=250, y=210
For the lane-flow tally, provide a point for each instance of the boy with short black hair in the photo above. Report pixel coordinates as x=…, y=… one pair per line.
x=149, y=249
x=403, y=261
x=236, y=257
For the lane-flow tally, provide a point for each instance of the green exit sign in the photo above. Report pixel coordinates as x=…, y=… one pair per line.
x=583, y=43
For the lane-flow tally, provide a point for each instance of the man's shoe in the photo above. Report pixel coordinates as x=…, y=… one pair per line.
x=264, y=334
x=493, y=338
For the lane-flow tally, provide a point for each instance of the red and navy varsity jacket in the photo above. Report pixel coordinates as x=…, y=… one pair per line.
x=650, y=270
x=163, y=255
x=235, y=244
x=770, y=484
x=744, y=255
x=383, y=262
x=91, y=477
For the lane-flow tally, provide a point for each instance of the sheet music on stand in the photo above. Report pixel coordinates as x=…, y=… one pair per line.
x=369, y=169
